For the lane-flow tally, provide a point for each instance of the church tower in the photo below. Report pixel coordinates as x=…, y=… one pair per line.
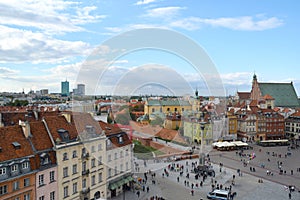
x=255, y=92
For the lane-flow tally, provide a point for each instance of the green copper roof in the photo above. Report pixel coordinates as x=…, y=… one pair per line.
x=283, y=93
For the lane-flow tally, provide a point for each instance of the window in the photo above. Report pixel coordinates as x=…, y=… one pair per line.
x=93, y=180
x=74, y=188
x=3, y=189
x=127, y=166
x=109, y=172
x=51, y=174
x=52, y=195
x=74, y=154
x=26, y=182
x=126, y=154
x=25, y=165
x=74, y=169
x=84, y=166
x=116, y=156
x=83, y=151
x=16, y=185
x=27, y=196
x=182, y=109
x=121, y=154
x=14, y=168
x=116, y=170
x=120, y=139
x=41, y=180
x=93, y=149
x=99, y=160
x=66, y=191
x=121, y=167
x=109, y=158
x=175, y=109
x=153, y=109
x=108, y=142
x=17, y=198
x=2, y=171
x=93, y=162
x=84, y=183
x=65, y=156
x=99, y=147
x=99, y=177
x=65, y=172
x=42, y=198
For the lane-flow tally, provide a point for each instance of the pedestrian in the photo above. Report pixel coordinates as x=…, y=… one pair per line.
x=138, y=193
x=192, y=192
x=147, y=189
x=177, y=178
x=290, y=195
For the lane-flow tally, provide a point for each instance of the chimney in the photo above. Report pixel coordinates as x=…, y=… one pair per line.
x=67, y=117
x=26, y=128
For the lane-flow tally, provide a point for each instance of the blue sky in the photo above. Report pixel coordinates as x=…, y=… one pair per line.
x=45, y=42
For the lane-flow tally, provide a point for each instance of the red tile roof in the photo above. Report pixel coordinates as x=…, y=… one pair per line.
x=113, y=133
x=40, y=139
x=244, y=95
x=268, y=97
x=11, y=134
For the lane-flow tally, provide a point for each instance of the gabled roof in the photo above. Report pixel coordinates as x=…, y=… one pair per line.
x=283, y=93
x=113, y=133
x=268, y=97
x=244, y=95
x=56, y=123
x=9, y=135
x=40, y=138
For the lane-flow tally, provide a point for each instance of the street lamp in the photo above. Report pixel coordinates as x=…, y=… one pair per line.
x=201, y=153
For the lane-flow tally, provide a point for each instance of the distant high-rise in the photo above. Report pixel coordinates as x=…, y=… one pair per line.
x=81, y=89
x=65, y=88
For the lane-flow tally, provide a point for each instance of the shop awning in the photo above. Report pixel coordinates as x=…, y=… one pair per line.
x=120, y=182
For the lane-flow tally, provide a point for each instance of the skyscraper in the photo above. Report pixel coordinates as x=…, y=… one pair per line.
x=81, y=89
x=65, y=88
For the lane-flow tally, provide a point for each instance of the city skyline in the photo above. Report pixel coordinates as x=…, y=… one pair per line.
x=48, y=42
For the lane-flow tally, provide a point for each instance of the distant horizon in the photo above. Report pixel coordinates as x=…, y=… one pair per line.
x=44, y=43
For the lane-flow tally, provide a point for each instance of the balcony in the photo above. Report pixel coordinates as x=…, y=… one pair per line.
x=85, y=172
x=85, y=155
x=85, y=191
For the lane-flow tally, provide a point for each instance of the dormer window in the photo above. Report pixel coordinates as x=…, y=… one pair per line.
x=16, y=145
x=14, y=168
x=64, y=134
x=44, y=159
x=2, y=171
x=120, y=139
x=25, y=165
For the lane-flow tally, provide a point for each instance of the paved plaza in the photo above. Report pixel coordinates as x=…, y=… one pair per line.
x=246, y=186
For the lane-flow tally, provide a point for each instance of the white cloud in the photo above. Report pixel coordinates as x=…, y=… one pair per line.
x=27, y=46
x=244, y=23
x=4, y=71
x=164, y=12
x=144, y=2
x=49, y=16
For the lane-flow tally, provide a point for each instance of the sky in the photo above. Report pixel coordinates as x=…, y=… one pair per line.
x=98, y=43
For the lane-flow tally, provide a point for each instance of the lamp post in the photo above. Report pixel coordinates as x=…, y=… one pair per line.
x=201, y=153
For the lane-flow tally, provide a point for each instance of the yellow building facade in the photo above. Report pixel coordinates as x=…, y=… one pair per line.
x=192, y=130
x=166, y=106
